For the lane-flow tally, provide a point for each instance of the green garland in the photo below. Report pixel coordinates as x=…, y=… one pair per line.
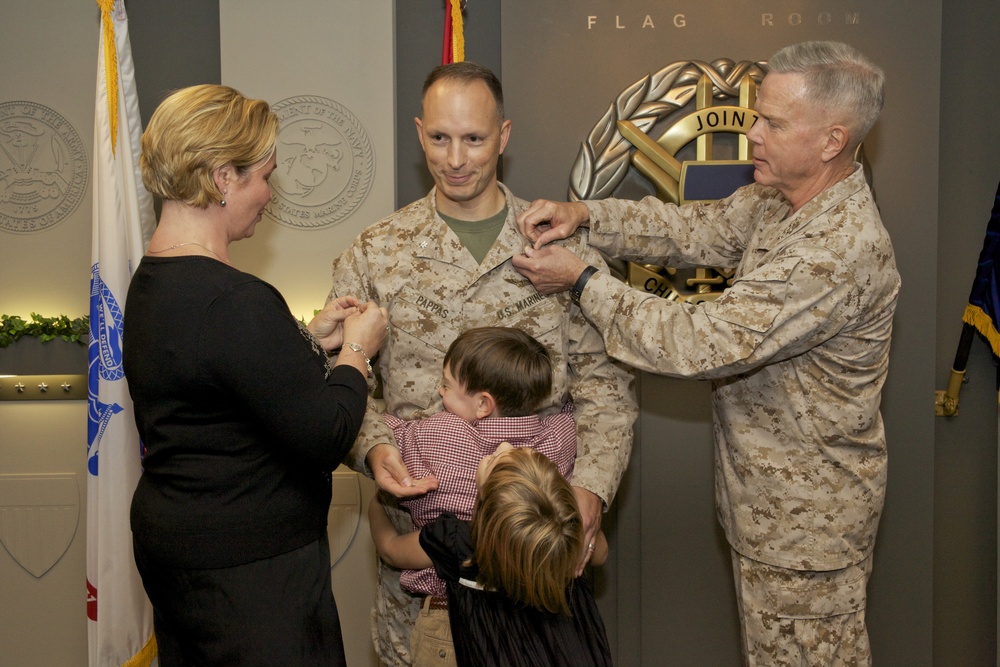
x=13, y=327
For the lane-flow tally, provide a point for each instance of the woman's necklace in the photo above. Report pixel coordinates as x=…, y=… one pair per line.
x=178, y=245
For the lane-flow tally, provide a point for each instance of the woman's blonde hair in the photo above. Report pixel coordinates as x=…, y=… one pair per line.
x=527, y=532
x=195, y=131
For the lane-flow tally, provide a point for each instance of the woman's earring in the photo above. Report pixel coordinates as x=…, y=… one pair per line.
x=223, y=202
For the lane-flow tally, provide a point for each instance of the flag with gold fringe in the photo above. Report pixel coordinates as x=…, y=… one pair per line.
x=120, y=619
x=453, y=49
x=983, y=311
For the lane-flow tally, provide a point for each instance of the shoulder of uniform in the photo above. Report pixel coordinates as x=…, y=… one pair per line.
x=402, y=222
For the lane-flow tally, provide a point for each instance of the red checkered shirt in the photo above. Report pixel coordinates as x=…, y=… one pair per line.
x=451, y=448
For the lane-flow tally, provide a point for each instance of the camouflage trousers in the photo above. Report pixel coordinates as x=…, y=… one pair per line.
x=802, y=618
x=395, y=609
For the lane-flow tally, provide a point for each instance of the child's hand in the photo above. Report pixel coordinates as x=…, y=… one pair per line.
x=399, y=551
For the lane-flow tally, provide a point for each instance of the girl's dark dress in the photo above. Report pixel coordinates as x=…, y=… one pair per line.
x=489, y=629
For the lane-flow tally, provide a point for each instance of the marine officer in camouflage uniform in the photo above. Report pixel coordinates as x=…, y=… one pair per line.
x=797, y=348
x=443, y=265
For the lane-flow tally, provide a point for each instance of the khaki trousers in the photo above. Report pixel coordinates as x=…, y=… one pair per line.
x=430, y=640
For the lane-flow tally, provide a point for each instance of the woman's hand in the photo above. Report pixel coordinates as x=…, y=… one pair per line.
x=363, y=333
x=327, y=324
x=367, y=327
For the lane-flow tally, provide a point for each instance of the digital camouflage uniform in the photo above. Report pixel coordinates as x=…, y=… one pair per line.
x=797, y=349
x=414, y=265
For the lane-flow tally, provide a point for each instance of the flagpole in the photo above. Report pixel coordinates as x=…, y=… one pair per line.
x=120, y=618
x=946, y=402
x=981, y=315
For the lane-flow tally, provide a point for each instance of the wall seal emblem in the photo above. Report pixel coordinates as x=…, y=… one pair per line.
x=605, y=155
x=326, y=163
x=621, y=140
x=43, y=167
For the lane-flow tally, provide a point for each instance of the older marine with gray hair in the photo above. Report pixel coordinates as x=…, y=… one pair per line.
x=797, y=348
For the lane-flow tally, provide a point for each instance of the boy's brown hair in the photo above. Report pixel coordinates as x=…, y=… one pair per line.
x=508, y=363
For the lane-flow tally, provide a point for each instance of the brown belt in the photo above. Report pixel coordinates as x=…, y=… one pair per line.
x=437, y=603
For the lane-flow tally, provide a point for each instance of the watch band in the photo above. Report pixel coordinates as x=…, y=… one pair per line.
x=577, y=291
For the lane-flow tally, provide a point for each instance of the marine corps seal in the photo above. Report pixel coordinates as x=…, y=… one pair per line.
x=326, y=163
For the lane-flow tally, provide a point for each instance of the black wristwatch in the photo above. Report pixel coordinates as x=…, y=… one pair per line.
x=581, y=282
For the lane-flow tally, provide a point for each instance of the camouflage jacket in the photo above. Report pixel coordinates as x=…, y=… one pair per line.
x=414, y=265
x=797, y=350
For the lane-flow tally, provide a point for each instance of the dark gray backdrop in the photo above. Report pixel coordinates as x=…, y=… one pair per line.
x=937, y=166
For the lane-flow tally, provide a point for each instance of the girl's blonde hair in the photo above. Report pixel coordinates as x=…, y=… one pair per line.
x=527, y=532
x=195, y=131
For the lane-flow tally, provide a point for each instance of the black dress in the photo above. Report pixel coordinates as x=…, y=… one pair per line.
x=489, y=629
x=242, y=421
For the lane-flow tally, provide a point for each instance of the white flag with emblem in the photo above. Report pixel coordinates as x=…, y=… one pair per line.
x=120, y=619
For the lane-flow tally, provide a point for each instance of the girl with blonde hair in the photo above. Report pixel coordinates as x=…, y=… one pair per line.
x=513, y=595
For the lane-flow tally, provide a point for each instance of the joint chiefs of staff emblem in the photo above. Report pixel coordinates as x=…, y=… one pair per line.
x=606, y=157
x=43, y=167
x=326, y=163
x=722, y=155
